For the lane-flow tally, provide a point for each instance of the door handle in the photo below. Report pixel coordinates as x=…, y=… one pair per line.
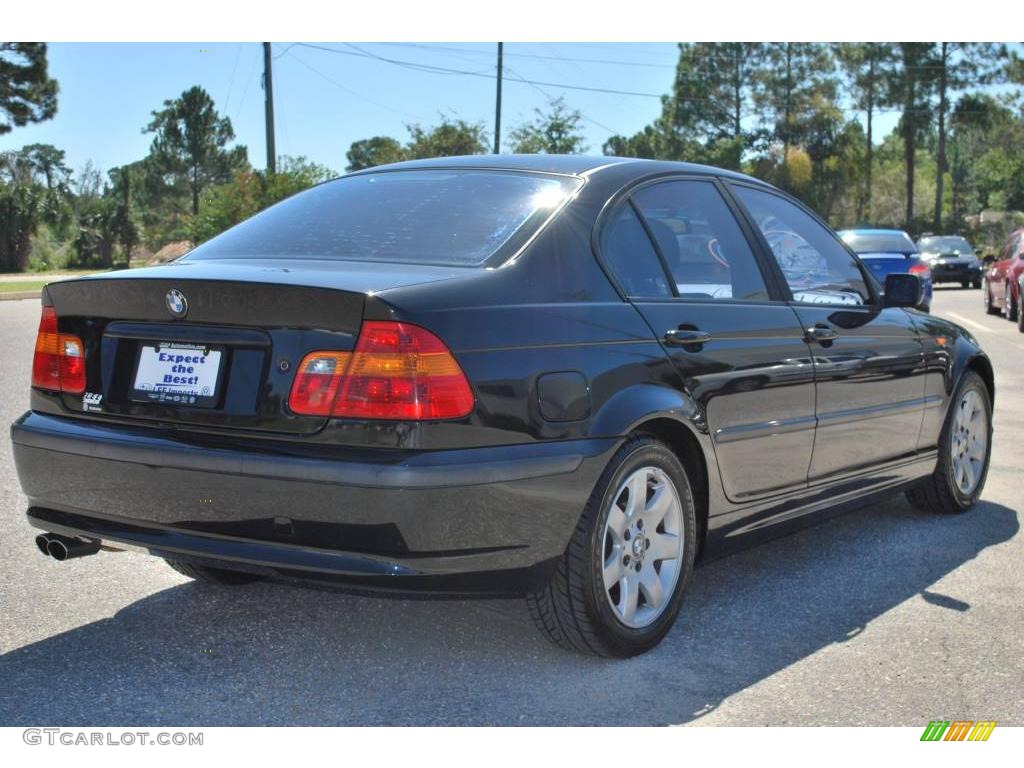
x=820, y=333
x=684, y=338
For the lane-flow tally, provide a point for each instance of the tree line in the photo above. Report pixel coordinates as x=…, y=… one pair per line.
x=801, y=115
x=194, y=182
x=804, y=116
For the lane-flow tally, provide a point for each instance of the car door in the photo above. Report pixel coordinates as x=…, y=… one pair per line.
x=682, y=257
x=996, y=275
x=868, y=360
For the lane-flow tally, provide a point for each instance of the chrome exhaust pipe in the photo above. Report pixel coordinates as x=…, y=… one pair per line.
x=64, y=547
x=43, y=542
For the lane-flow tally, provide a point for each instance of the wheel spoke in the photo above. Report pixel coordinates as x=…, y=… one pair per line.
x=650, y=585
x=976, y=450
x=617, y=523
x=658, y=506
x=968, y=484
x=629, y=594
x=637, y=494
x=664, y=546
x=613, y=570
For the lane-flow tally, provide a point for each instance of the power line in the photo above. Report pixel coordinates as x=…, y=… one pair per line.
x=488, y=74
x=348, y=90
x=248, y=81
x=231, y=82
x=614, y=62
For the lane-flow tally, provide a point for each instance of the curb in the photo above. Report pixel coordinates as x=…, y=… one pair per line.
x=15, y=295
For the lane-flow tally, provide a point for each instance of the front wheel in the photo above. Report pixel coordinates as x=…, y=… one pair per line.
x=965, y=448
x=619, y=585
x=1009, y=305
x=990, y=307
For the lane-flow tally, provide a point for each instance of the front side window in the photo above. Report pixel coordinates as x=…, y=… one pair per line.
x=443, y=217
x=701, y=241
x=817, y=268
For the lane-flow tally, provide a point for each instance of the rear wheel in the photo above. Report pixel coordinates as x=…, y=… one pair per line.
x=976, y=284
x=214, y=575
x=964, y=453
x=1020, y=309
x=965, y=284
x=618, y=587
x=1009, y=306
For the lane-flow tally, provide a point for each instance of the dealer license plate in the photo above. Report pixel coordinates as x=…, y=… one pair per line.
x=183, y=374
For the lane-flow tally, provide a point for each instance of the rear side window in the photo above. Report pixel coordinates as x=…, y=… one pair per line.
x=817, y=268
x=628, y=251
x=701, y=242
x=453, y=218
x=884, y=242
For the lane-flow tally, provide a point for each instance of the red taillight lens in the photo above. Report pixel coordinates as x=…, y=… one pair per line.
x=59, y=362
x=397, y=371
x=921, y=270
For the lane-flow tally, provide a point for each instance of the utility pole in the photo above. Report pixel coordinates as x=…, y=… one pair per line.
x=497, y=107
x=268, y=88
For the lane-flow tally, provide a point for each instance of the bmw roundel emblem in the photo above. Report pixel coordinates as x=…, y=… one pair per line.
x=177, y=304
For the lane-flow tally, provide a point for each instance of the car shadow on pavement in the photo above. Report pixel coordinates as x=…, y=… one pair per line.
x=273, y=654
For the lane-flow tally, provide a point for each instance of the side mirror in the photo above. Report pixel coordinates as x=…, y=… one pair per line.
x=903, y=290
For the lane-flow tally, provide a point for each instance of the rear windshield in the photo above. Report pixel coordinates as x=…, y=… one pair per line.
x=879, y=242
x=454, y=218
x=945, y=244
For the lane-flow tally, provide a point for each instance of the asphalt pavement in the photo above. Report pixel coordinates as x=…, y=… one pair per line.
x=883, y=616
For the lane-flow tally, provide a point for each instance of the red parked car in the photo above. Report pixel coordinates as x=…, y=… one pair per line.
x=1004, y=280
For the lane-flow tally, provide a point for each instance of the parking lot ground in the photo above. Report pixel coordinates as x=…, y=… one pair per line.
x=883, y=616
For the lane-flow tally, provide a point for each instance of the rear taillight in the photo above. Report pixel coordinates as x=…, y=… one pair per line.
x=397, y=371
x=921, y=270
x=59, y=362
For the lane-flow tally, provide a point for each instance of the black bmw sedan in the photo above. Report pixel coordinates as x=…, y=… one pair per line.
x=560, y=377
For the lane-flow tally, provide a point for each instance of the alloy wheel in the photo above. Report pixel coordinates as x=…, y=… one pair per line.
x=642, y=547
x=968, y=445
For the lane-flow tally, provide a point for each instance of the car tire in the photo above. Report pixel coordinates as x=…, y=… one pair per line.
x=575, y=610
x=965, y=284
x=943, y=492
x=990, y=308
x=976, y=284
x=213, y=575
x=1009, y=305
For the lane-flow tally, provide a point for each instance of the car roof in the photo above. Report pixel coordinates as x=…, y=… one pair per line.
x=576, y=165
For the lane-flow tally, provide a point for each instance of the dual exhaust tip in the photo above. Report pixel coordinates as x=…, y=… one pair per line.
x=65, y=547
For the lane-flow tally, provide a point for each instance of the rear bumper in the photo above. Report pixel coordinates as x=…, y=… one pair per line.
x=955, y=274
x=485, y=519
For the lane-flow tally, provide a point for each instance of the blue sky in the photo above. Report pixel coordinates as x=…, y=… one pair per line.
x=325, y=100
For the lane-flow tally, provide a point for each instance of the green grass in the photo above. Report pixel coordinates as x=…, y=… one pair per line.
x=22, y=285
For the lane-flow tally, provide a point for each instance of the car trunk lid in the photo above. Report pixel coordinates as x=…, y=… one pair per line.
x=215, y=344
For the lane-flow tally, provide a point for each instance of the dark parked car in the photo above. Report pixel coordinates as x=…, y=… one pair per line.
x=1004, y=281
x=563, y=377
x=890, y=251
x=951, y=259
